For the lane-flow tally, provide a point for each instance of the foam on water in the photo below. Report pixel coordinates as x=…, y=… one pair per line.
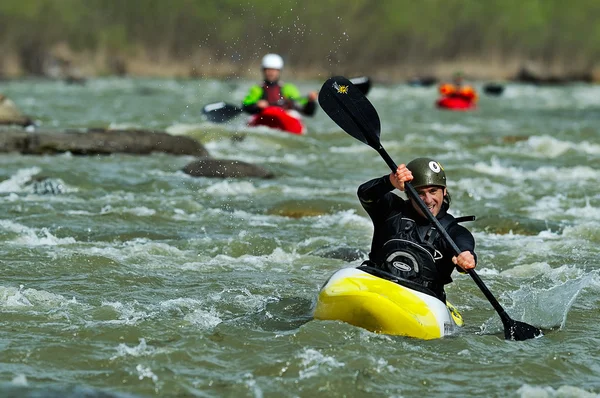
x=312, y=192
x=351, y=149
x=20, y=380
x=450, y=128
x=587, y=230
x=231, y=188
x=545, y=146
x=549, y=174
x=141, y=252
x=128, y=313
x=564, y=391
x=481, y=188
x=33, y=237
x=342, y=219
x=141, y=349
x=145, y=372
x=587, y=212
x=11, y=297
x=18, y=181
x=314, y=363
x=203, y=319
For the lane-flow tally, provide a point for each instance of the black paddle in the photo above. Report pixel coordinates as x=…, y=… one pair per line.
x=352, y=111
x=222, y=112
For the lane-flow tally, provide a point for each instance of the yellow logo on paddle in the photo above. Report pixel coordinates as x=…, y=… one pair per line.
x=340, y=89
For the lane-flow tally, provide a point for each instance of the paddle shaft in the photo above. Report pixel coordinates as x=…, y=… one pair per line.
x=412, y=193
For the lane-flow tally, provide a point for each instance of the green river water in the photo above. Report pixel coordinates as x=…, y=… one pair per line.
x=140, y=281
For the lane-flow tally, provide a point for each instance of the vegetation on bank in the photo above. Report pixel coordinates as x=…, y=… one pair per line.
x=227, y=37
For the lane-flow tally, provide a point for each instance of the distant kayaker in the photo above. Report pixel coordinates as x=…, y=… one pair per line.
x=404, y=242
x=273, y=92
x=458, y=89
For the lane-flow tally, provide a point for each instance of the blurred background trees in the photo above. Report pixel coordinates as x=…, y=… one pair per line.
x=390, y=39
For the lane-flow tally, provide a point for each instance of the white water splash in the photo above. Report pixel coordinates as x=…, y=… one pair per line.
x=231, y=188
x=21, y=297
x=204, y=320
x=17, y=182
x=32, y=237
x=342, y=219
x=127, y=313
x=315, y=363
x=550, y=147
x=20, y=380
x=141, y=349
x=566, y=391
x=146, y=373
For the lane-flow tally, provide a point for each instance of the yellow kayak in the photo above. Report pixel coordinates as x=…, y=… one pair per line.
x=376, y=304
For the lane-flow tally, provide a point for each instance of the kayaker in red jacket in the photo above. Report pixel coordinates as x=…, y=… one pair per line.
x=458, y=89
x=273, y=92
x=405, y=244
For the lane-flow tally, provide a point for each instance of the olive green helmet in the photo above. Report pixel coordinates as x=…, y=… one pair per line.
x=426, y=171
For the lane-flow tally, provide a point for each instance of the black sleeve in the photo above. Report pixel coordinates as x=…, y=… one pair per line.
x=376, y=198
x=373, y=190
x=464, y=240
x=310, y=108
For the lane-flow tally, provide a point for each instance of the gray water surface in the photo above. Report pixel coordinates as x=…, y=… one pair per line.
x=138, y=280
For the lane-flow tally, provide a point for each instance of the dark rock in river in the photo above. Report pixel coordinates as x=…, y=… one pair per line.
x=99, y=142
x=223, y=168
x=493, y=89
x=299, y=208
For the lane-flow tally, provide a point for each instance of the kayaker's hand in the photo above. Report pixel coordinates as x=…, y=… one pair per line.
x=464, y=260
x=312, y=96
x=401, y=176
x=262, y=104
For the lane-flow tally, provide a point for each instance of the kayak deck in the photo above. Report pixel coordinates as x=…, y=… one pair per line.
x=279, y=118
x=456, y=103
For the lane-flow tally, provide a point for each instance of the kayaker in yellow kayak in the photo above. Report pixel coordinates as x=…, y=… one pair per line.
x=404, y=242
x=273, y=92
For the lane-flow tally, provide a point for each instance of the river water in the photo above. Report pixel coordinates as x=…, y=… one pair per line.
x=138, y=280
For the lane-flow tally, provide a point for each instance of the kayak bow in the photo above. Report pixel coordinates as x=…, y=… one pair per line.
x=382, y=306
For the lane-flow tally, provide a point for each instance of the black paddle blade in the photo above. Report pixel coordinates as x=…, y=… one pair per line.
x=363, y=83
x=519, y=331
x=221, y=112
x=348, y=107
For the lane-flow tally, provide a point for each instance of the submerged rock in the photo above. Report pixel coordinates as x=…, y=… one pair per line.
x=99, y=142
x=299, y=208
x=224, y=168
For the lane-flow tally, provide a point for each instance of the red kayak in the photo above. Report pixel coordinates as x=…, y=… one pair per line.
x=279, y=118
x=456, y=103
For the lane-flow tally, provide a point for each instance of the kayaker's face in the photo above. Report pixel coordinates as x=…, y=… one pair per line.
x=271, y=75
x=432, y=196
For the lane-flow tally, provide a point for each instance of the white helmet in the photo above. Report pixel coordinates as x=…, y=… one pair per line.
x=272, y=61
